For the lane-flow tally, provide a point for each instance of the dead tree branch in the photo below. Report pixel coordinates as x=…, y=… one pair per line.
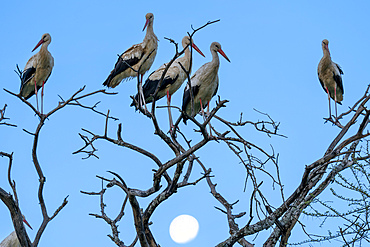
x=2, y=117
x=8, y=200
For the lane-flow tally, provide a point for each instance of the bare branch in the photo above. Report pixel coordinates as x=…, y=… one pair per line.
x=2, y=118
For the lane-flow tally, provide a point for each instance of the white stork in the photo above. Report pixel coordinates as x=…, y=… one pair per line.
x=135, y=57
x=173, y=79
x=12, y=240
x=204, y=84
x=330, y=77
x=37, y=71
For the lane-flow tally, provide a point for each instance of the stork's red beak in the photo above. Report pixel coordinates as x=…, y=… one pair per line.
x=146, y=24
x=38, y=44
x=25, y=221
x=223, y=54
x=197, y=49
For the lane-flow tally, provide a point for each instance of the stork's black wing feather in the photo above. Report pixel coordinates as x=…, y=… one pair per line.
x=340, y=69
x=27, y=88
x=167, y=81
x=27, y=75
x=151, y=85
x=120, y=66
x=338, y=78
x=186, y=99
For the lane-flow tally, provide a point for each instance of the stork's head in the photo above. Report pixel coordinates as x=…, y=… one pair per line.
x=46, y=38
x=188, y=41
x=215, y=46
x=325, y=44
x=149, y=19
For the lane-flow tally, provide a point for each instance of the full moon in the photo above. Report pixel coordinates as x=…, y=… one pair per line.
x=183, y=229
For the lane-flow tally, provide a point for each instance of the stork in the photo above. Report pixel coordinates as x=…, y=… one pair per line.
x=204, y=84
x=37, y=71
x=173, y=79
x=330, y=77
x=139, y=55
x=12, y=240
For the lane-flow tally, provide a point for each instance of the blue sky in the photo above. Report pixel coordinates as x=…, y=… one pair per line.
x=274, y=48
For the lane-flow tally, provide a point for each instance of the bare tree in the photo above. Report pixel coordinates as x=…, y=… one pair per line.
x=253, y=157
x=350, y=188
x=11, y=199
x=341, y=154
x=345, y=163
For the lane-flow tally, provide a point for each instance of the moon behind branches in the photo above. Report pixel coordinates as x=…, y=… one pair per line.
x=184, y=228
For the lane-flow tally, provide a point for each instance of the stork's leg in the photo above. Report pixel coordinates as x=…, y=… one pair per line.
x=327, y=91
x=37, y=101
x=42, y=98
x=335, y=99
x=204, y=117
x=141, y=95
x=146, y=109
x=209, y=123
x=169, y=110
x=201, y=108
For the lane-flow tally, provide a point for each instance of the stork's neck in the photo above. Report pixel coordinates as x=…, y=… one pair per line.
x=326, y=59
x=185, y=60
x=150, y=32
x=215, y=59
x=326, y=52
x=44, y=47
x=211, y=68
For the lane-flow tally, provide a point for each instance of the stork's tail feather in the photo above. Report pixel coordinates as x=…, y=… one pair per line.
x=184, y=118
x=106, y=82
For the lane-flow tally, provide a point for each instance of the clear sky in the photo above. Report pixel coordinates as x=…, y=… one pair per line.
x=274, y=48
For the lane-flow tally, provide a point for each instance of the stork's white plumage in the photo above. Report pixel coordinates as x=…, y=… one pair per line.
x=135, y=57
x=173, y=79
x=37, y=70
x=12, y=240
x=330, y=77
x=204, y=84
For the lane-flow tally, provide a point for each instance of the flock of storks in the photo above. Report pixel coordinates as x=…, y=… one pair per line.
x=139, y=58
